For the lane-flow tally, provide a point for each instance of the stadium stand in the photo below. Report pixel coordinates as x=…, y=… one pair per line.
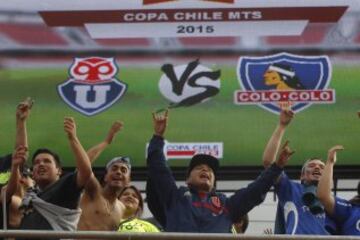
x=357, y=39
x=125, y=42
x=312, y=35
x=32, y=34
x=17, y=34
x=206, y=42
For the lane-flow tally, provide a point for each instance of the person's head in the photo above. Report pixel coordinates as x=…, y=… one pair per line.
x=46, y=167
x=356, y=200
x=282, y=74
x=278, y=73
x=272, y=76
x=312, y=170
x=201, y=174
x=242, y=224
x=131, y=197
x=117, y=173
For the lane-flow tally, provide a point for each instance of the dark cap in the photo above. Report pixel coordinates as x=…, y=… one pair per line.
x=209, y=160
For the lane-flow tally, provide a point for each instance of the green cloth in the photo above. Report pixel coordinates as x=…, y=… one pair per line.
x=137, y=225
x=4, y=177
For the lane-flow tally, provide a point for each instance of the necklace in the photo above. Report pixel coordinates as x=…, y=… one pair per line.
x=109, y=207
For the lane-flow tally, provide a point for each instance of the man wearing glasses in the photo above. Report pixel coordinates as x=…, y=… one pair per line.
x=101, y=208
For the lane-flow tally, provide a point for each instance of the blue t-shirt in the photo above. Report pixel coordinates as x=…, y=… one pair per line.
x=296, y=217
x=347, y=216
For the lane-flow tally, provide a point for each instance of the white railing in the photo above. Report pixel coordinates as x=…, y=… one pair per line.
x=158, y=236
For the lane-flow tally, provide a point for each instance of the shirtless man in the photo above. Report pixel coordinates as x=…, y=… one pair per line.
x=101, y=209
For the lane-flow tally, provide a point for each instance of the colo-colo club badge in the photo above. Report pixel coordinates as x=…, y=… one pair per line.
x=92, y=87
x=284, y=81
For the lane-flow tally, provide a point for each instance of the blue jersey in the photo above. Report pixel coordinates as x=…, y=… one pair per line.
x=347, y=216
x=293, y=215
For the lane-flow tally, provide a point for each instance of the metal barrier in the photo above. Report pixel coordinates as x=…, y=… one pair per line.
x=158, y=236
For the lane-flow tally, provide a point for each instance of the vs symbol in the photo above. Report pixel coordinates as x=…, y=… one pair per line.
x=187, y=85
x=92, y=87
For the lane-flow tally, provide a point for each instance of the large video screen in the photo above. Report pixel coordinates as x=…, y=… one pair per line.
x=237, y=133
x=224, y=69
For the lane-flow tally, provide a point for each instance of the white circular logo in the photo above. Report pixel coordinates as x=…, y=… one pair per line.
x=290, y=207
x=189, y=84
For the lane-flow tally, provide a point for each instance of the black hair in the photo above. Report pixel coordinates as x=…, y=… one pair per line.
x=140, y=209
x=356, y=200
x=293, y=82
x=48, y=151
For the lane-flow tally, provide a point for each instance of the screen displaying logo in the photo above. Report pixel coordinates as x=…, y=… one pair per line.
x=284, y=81
x=190, y=84
x=92, y=86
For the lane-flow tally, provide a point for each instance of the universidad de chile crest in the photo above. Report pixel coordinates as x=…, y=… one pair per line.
x=92, y=87
x=284, y=80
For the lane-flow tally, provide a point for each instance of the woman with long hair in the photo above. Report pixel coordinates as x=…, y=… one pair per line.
x=131, y=197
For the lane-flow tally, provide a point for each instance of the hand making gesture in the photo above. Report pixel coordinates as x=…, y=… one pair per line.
x=160, y=120
x=285, y=155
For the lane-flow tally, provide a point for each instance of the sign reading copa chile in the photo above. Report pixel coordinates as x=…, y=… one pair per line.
x=92, y=87
x=186, y=150
x=284, y=81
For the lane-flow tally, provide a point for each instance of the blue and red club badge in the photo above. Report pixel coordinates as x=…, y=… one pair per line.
x=215, y=200
x=283, y=81
x=92, y=87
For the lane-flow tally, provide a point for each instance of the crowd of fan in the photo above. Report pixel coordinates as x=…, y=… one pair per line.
x=45, y=199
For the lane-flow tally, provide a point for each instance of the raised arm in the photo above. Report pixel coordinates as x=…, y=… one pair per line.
x=160, y=176
x=83, y=164
x=325, y=182
x=96, y=150
x=273, y=145
x=285, y=154
x=18, y=158
x=22, y=113
x=247, y=198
